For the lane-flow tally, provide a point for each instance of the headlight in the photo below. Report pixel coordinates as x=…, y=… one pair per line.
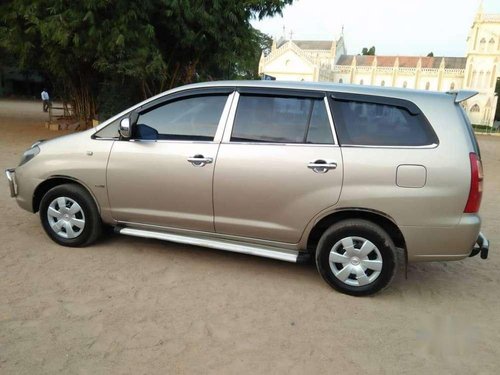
x=29, y=154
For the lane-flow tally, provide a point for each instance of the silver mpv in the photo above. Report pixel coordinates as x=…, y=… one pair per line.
x=350, y=176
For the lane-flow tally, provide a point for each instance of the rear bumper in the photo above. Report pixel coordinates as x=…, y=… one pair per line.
x=442, y=243
x=482, y=247
x=11, y=178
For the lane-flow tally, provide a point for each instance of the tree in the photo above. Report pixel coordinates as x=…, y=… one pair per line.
x=369, y=52
x=148, y=46
x=430, y=54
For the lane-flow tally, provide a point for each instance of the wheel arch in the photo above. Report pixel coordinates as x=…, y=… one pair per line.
x=385, y=221
x=54, y=181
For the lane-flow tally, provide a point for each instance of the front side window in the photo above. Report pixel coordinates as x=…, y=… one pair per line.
x=281, y=120
x=373, y=124
x=193, y=118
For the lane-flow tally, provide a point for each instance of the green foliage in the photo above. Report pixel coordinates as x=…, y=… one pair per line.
x=152, y=45
x=430, y=54
x=116, y=96
x=369, y=52
x=484, y=129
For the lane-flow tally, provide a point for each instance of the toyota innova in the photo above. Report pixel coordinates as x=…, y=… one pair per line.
x=350, y=176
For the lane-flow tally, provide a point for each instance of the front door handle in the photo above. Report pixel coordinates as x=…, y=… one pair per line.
x=322, y=166
x=199, y=160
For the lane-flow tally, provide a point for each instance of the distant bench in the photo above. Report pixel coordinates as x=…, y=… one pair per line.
x=64, y=120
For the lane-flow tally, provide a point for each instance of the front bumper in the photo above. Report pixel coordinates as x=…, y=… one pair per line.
x=11, y=177
x=482, y=246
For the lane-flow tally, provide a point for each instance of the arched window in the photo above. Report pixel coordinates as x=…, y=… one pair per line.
x=475, y=108
x=491, y=44
x=482, y=44
x=427, y=85
x=341, y=80
x=361, y=82
x=452, y=86
x=382, y=83
x=405, y=84
x=474, y=79
x=480, y=79
x=486, y=79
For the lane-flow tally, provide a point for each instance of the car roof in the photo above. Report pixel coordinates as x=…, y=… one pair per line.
x=320, y=86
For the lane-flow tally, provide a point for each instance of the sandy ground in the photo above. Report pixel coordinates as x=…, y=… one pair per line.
x=137, y=306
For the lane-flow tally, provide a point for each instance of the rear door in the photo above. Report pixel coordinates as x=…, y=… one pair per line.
x=278, y=165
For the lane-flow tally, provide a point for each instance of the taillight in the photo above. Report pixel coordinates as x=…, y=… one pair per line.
x=476, y=184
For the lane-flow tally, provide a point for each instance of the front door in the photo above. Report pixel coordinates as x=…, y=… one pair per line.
x=164, y=175
x=277, y=167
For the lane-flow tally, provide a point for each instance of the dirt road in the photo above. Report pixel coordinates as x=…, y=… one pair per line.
x=137, y=306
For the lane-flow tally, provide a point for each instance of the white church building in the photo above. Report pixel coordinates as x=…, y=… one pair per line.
x=312, y=60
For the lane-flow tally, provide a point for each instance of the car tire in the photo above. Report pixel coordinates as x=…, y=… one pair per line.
x=70, y=216
x=356, y=257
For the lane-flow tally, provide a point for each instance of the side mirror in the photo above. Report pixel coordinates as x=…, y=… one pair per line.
x=125, y=128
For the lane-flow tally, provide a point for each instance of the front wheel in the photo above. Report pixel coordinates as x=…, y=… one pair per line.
x=70, y=216
x=356, y=257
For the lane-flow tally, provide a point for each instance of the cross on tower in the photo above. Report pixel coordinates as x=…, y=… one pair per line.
x=291, y=34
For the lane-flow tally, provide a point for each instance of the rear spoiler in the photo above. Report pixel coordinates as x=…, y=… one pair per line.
x=462, y=95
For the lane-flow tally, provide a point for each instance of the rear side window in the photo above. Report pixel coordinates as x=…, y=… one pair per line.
x=281, y=120
x=375, y=124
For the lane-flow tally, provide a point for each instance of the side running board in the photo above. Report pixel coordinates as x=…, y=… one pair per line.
x=219, y=244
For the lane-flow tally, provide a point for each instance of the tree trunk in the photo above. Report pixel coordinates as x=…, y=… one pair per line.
x=83, y=102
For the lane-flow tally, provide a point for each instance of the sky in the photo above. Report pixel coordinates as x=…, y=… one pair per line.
x=394, y=27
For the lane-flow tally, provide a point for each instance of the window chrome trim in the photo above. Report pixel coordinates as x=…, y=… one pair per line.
x=170, y=141
x=105, y=139
x=219, y=133
x=330, y=119
x=281, y=144
x=228, y=130
x=433, y=145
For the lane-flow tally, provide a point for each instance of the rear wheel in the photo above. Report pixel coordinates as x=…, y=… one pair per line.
x=356, y=257
x=70, y=216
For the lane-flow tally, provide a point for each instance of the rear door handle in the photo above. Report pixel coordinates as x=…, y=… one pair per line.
x=199, y=160
x=322, y=166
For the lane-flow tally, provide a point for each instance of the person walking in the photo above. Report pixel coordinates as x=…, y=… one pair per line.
x=46, y=100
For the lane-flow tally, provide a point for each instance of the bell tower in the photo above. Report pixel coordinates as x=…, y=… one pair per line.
x=483, y=66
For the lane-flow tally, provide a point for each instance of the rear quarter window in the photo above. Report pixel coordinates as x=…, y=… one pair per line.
x=376, y=124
